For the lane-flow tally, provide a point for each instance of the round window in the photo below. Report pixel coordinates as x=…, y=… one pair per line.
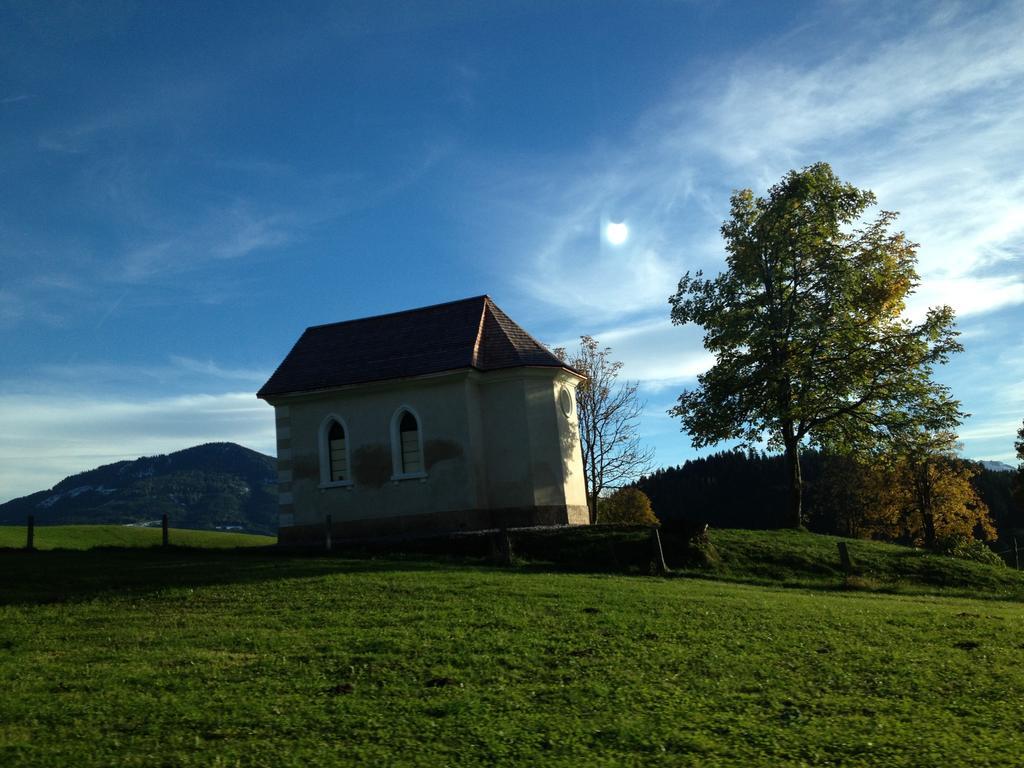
x=565, y=401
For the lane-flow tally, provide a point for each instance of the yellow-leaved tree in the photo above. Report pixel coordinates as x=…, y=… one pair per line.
x=915, y=489
x=929, y=490
x=627, y=505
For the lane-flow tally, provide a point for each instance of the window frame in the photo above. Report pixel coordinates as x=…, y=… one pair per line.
x=325, y=453
x=396, y=445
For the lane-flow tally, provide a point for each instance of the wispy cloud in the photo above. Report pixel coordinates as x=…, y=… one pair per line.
x=930, y=119
x=179, y=373
x=46, y=438
x=653, y=352
x=17, y=306
x=897, y=86
x=967, y=295
x=212, y=369
x=231, y=233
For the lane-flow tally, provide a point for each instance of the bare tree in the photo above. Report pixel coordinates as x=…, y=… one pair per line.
x=608, y=415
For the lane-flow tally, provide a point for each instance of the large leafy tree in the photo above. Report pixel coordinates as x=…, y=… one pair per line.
x=807, y=328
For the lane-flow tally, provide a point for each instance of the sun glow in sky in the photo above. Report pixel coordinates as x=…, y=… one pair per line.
x=197, y=183
x=616, y=232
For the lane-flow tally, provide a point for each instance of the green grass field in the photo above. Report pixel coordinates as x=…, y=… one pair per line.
x=798, y=559
x=247, y=657
x=90, y=536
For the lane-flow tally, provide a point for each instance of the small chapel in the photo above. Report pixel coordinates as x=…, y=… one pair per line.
x=444, y=418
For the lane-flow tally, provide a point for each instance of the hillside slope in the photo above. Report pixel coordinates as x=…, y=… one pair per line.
x=207, y=486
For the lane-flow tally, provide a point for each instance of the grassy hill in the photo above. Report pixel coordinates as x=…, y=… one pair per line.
x=90, y=536
x=202, y=656
x=801, y=559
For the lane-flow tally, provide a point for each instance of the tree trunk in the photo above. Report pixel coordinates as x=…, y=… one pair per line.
x=921, y=479
x=927, y=506
x=795, y=517
x=929, y=529
x=590, y=483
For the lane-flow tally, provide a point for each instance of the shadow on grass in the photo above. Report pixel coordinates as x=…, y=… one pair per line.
x=803, y=561
x=53, y=576
x=65, y=575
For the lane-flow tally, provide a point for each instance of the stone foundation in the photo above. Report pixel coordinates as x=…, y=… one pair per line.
x=451, y=521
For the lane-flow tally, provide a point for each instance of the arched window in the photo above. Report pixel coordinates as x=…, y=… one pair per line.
x=334, y=452
x=409, y=434
x=407, y=444
x=338, y=455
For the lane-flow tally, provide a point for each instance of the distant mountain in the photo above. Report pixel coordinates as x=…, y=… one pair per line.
x=997, y=466
x=216, y=485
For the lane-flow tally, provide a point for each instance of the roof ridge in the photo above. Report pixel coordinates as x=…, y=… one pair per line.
x=475, y=358
x=522, y=330
x=483, y=296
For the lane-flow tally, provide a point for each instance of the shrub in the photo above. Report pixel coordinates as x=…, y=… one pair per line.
x=626, y=505
x=967, y=548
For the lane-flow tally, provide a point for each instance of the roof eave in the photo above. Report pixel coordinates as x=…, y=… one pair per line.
x=263, y=394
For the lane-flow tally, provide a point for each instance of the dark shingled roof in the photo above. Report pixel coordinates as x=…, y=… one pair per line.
x=471, y=333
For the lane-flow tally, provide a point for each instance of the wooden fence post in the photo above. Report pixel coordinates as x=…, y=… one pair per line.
x=844, y=558
x=31, y=533
x=327, y=533
x=658, y=555
x=165, y=540
x=501, y=547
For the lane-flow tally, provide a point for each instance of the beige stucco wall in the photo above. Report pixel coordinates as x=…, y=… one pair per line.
x=532, y=447
x=569, y=448
x=494, y=441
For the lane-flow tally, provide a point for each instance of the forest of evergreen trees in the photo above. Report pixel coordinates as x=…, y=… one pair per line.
x=735, y=489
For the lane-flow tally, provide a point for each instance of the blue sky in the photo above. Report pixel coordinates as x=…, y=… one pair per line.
x=188, y=186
